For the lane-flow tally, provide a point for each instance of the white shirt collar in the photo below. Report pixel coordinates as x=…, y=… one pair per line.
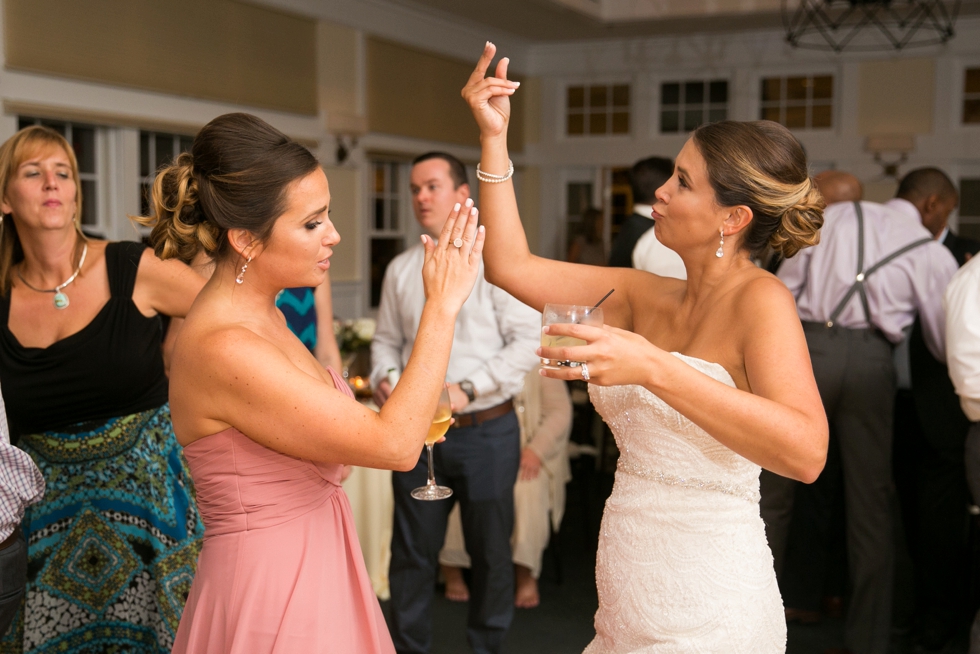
x=943, y=234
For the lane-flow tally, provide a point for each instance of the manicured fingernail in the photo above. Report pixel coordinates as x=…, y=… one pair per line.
x=538, y=351
x=469, y=202
x=541, y=372
x=423, y=238
x=544, y=330
x=456, y=208
x=517, y=83
x=481, y=228
x=474, y=211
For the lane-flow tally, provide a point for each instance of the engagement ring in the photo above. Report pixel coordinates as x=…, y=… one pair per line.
x=585, y=372
x=458, y=242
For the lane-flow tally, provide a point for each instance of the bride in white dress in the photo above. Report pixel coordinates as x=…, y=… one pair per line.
x=702, y=382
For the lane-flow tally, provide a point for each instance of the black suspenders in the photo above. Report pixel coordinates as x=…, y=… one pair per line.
x=862, y=274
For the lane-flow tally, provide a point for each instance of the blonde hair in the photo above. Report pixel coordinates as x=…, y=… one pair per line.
x=761, y=165
x=13, y=153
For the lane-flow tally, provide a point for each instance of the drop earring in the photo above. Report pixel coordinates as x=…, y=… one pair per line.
x=241, y=275
x=720, y=252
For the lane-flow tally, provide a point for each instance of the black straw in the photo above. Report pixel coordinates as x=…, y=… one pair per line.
x=603, y=299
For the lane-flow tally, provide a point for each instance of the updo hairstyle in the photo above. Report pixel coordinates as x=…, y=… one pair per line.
x=761, y=165
x=234, y=177
x=26, y=143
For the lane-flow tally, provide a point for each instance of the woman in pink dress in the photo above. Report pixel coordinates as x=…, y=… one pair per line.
x=265, y=429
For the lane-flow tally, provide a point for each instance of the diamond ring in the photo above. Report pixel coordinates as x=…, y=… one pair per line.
x=585, y=372
x=458, y=242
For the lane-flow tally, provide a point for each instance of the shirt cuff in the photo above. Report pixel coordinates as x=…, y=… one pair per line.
x=483, y=383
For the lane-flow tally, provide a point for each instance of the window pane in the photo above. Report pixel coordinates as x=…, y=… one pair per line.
x=55, y=125
x=718, y=91
x=379, y=178
x=598, y=97
x=716, y=114
x=823, y=87
x=576, y=124
x=164, y=144
x=693, y=118
x=186, y=143
x=393, y=213
x=620, y=123
x=796, y=88
x=621, y=95
x=393, y=178
x=820, y=115
x=972, y=84
x=579, y=197
x=576, y=97
x=771, y=89
x=971, y=111
x=970, y=197
x=145, y=199
x=770, y=113
x=670, y=93
x=597, y=124
x=83, y=142
x=89, y=214
x=693, y=93
x=795, y=117
x=24, y=121
x=379, y=214
x=383, y=250
x=145, y=154
x=669, y=121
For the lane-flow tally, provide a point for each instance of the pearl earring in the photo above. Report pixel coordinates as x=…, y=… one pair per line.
x=720, y=252
x=241, y=275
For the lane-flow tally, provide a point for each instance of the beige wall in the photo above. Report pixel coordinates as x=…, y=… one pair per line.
x=345, y=209
x=530, y=93
x=530, y=205
x=217, y=50
x=337, y=68
x=416, y=94
x=896, y=97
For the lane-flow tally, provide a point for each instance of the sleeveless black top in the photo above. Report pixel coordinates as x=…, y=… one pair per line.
x=112, y=367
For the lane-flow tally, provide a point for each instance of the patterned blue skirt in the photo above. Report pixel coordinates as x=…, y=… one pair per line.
x=112, y=547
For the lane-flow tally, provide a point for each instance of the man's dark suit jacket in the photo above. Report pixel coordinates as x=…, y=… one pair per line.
x=940, y=416
x=630, y=232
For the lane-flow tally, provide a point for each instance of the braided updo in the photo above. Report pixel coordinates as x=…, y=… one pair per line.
x=235, y=177
x=761, y=165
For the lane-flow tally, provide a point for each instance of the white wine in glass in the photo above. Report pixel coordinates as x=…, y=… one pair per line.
x=566, y=313
x=438, y=428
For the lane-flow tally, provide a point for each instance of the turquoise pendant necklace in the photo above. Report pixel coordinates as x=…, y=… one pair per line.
x=60, y=299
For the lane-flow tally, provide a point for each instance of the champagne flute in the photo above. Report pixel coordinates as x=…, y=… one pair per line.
x=566, y=313
x=438, y=428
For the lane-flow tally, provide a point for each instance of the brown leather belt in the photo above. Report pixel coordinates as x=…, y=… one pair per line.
x=478, y=417
x=10, y=539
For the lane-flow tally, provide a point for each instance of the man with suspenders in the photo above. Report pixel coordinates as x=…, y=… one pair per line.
x=876, y=268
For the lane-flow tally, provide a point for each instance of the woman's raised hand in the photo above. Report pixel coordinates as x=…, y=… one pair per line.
x=453, y=264
x=489, y=97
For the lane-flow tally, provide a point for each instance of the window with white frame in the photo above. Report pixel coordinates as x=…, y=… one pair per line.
x=686, y=105
x=971, y=96
x=969, y=209
x=386, y=235
x=157, y=149
x=86, y=142
x=597, y=109
x=798, y=102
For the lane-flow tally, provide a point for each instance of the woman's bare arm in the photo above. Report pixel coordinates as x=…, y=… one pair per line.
x=168, y=287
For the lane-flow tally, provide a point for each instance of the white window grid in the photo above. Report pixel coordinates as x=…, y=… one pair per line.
x=387, y=208
x=152, y=144
x=91, y=170
x=697, y=102
x=812, y=112
x=604, y=110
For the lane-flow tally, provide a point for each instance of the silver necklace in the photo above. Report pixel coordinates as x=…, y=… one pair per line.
x=60, y=299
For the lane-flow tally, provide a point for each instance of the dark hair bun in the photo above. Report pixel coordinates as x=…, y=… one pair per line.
x=801, y=222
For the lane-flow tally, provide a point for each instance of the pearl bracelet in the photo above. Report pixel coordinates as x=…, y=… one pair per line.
x=495, y=179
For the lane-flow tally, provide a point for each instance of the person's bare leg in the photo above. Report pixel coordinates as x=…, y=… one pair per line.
x=526, y=595
x=456, y=589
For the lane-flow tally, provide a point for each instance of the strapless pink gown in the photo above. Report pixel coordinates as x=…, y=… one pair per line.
x=281, y=569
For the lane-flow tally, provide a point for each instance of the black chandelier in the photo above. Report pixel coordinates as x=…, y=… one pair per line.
x=868, y=25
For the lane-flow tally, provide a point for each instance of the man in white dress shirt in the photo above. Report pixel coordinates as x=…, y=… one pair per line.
x=876, y=268
x=493, y=348
x=962, y=303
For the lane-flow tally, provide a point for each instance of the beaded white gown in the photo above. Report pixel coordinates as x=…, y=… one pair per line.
x=683, y=563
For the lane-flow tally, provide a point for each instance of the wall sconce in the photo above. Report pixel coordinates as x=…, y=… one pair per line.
x=892, y=144
x=346, y=129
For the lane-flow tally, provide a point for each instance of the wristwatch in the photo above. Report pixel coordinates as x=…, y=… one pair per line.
x=467, y=387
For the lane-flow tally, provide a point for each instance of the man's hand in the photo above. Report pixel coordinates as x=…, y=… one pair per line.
x=530, y=465
x=382, y=393
x=458, y=398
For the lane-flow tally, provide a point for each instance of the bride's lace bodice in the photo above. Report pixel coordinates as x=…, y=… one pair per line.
x=657, y=442
x=683, y=564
